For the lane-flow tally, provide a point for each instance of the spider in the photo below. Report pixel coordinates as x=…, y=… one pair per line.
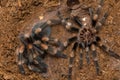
x=86, y=39
x=35, y=44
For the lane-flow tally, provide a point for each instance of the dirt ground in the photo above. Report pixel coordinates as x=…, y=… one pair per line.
x=16, y=15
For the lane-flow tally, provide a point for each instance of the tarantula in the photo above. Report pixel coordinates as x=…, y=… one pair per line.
x=86, y=38
x=35, y=44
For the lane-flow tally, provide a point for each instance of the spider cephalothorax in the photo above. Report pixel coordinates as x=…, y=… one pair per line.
x=86, y=36
x=35, y=44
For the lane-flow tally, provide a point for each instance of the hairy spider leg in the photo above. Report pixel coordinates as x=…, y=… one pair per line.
x=53, y=51
x=71, y=60
x=70, y=41
x=81, y=57
x=87, y=54
x=108, y=51
x=95, y=59
x=96, y=15
x=30, y=53
x=101, y=21
x=68, y=25
x=77, y=20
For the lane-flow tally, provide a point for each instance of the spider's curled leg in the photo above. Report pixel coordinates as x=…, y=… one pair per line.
x=20, y=59
x=54, y=42
x=53, y=51
x=33, y=67
x=30, y=54
x=37, y=48
x=61, y=45
x=40, y=64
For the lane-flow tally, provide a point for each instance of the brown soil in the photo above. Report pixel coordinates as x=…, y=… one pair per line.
x=16, y=15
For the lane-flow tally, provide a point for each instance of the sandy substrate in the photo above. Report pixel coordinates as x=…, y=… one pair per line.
x=18, y=15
